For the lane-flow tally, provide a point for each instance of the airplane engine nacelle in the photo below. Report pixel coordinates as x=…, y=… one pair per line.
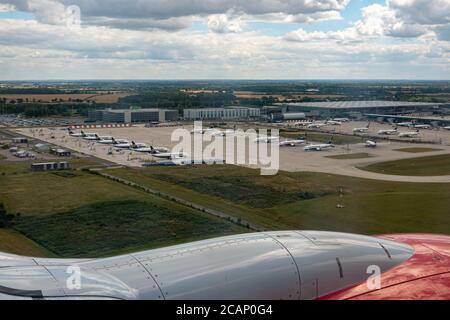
x=259, y=266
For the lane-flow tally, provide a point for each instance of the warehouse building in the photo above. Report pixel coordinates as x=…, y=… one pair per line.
x=60, y=152
x=50, y=166
x=132, y=115
x=19, y=140
x=229, y=113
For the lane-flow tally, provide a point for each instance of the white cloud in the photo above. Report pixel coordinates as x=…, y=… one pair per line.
x=135, y=39
x=221, y=23
x=168, y=14
x=5, y=7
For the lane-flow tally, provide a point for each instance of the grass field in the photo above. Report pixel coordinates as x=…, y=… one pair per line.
x=424, y=166
x=114, y=227
x=321, y=137
x=369, y=206
x=13, y=242
x=75, y=213
x=417, y=150
x=350, y=156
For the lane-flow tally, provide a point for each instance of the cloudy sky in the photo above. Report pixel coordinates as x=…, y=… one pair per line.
x=224, y=39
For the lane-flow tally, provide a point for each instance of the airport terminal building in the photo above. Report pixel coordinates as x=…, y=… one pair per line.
x=132, y=115
x=361, y=108
x=228, y=113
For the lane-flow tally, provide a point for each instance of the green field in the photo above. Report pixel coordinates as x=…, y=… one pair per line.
x=78, y=214
x=13, y=242
x=351, y=156
x=369, y=206
x=417, y=150
x=109, y=228
x=424, y=166
x=321, y=137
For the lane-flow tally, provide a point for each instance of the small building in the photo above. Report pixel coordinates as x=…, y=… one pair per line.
x=36, y=167
x=60, y=152
x=19, y=140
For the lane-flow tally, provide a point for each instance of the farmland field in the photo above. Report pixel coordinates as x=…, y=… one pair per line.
x=96, y=97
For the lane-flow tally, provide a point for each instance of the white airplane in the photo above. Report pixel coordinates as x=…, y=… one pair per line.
x=266, y=139
x=158, y=150
x=334, y=123
x=388, y=132
x=170, y=156
x=202, y=131
x=107, y=140
x=291, y=143
x=341, y=119
x=422, y=126
x=361, y=130
x=316, y=125
x=371, y=144
x=137, y=145
x=90, y=136
x=405, y=124
x=140, y=147
x=410, y=134
x=303, y=123
x=76, y=135
x=318, y=147
x=123, y=145
x=120, y=141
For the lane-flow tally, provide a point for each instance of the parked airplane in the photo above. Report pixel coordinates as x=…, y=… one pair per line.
x=342, y=119
x=169, y=155
x=334, y=123
x=202, y=130
x=279, y=265
x=76, y=135
x=140, y=147
x=303, y=123
x=422, y=126
x=388, y=132
x=266, y=139
x=405, y=124
x=123, y=145
x=316, y=125
x=156, y=150
x=90, y=136
x=318, y=147
x=292, y=143
x=362, y=130
x=410, y=134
